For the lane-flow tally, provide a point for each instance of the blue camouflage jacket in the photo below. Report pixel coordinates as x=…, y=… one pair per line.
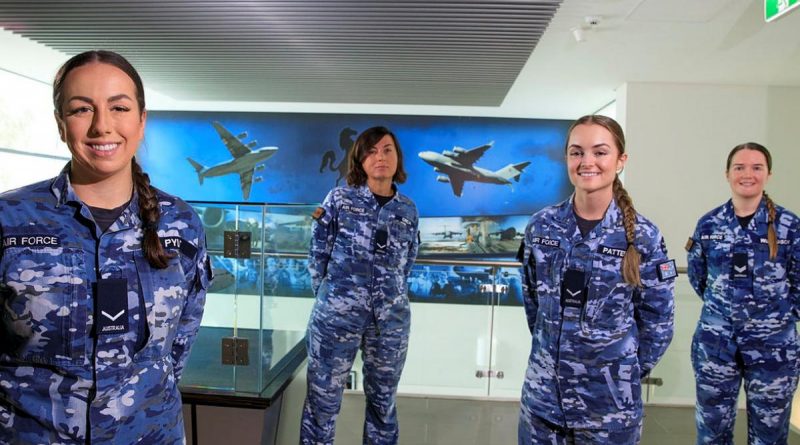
x=588, y=357
x=351, y=263
x=61, y=381
x=745, y=293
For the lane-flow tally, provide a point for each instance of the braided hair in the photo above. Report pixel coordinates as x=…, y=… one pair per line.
x=632, y=258
x=772, y=236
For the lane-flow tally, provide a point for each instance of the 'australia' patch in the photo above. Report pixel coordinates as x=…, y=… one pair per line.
x=31, y=241
x=611, y=251
x=180, y=244
x=667, y=270
x=546, y=241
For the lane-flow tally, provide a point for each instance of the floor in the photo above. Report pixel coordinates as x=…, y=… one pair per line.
x=478, y=422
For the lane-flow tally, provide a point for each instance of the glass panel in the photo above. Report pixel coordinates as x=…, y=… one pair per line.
x=450, y=330
x=512, y=338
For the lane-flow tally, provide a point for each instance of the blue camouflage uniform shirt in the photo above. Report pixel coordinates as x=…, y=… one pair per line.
x=61, y=382
x=347, y=263
x=757, y=305
x=587, y=359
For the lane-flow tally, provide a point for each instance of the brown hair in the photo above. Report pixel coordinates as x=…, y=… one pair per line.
x=149, y=209
x=355, y=157
x=772, y=237
x=632, y=258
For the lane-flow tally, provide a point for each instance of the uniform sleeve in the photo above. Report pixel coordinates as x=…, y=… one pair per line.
x=192, y=314
x=529, y=300
x=323, y=235
x=793, y=272
x=696, y=258
x=654, y=304
x=413, y=248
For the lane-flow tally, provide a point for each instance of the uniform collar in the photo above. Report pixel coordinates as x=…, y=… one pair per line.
x=566, y=216
x=366, y=193
x=729, y=214
x=61, y=187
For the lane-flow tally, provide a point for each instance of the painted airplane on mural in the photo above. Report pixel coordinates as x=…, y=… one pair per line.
x=245, y=162
x=458, y=167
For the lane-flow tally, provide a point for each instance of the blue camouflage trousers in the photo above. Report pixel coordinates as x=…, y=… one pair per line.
x=533, y=430
x=770, y=379
x=332, y=345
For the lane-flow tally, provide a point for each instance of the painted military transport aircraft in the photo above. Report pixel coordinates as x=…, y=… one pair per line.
x=457, y=166
x=245, y=160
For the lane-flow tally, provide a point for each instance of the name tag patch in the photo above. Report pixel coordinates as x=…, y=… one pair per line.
x=667, y=270
x=546, y=241
x=612, y=251
x=180, y=244
x=781, y=242
x=354, y=209
x=403, y=220
x=31, y=241
x=112, y=306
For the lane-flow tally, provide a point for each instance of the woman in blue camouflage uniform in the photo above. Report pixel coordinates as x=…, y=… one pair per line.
x=744, y=262
x=598, y=294
x=363, y=246
x=102, y=279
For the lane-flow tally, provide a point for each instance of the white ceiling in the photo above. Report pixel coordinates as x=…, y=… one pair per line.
x=434, y=57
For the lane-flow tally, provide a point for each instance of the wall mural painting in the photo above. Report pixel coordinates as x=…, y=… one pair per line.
x=457, y=166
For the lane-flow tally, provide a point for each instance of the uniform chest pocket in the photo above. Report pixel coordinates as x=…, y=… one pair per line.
x=354, y=231
x=770, y=270
x=43, y=294
x=164, y=294
x=401, y=234
x=609, y=304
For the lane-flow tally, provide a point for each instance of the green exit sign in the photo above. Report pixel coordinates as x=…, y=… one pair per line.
x=776, y=8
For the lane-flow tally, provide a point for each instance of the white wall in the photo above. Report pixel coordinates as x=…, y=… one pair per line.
x=679, y=136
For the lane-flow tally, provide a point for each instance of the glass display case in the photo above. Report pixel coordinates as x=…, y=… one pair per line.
x=258, y=305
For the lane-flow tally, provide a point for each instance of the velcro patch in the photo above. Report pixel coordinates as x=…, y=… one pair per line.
x=31, y=241
x=318, y=213
x=546, y=241
x=612, y=251
x=354, y=209
x=667, y=270
x=403, y=220
x=689, y=244
x=713, y=237
x=180, y=244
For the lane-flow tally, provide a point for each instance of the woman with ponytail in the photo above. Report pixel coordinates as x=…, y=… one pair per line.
x=102, y=278
x=744, y=262
x=598, y=294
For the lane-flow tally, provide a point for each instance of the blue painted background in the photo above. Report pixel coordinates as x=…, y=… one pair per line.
x=292, y=175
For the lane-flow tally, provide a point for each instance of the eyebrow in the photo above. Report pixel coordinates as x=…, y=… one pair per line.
x=602, y=144
x=110, y=99
x=742, y=164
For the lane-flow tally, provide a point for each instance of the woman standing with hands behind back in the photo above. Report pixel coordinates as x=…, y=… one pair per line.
x=598, y=294
x=102, y=278
x=744, y=262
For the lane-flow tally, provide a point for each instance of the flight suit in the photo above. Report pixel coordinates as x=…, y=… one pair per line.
x=747, y=324
x=594, y=336
x=73, y=370
x=360, y=258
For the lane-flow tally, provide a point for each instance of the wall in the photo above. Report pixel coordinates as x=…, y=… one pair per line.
x=679, y=136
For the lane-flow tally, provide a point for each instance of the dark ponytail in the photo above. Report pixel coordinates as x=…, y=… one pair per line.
x=772, y=237
x=150, y=214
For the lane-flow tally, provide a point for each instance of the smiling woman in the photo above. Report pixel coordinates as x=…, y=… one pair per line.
x=102, y=278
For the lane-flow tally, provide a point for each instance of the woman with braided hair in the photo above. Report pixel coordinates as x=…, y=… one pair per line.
x=744, y=262
x=598, y=294
x=102, y=278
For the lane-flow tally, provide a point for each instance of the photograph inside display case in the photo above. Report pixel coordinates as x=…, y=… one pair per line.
x=496, y=236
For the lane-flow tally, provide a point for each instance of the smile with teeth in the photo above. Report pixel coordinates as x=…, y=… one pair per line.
x=103, y=147
x=589, y=174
